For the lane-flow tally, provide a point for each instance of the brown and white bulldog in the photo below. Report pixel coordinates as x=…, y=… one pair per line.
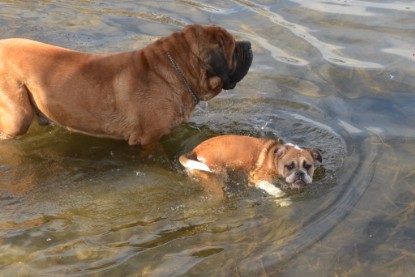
x=263, y=160
x=138, y=96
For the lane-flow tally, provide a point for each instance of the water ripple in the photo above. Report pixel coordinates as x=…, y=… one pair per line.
x=355, y=8
x=328, y=51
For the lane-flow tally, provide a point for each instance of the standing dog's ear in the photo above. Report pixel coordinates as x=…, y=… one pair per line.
x=241, y=60
x=218, y=66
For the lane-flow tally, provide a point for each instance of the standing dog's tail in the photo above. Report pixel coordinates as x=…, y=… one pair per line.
x=190, y=163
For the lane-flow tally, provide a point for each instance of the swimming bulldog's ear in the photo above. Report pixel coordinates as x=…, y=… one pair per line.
x=315, y=154
x=280, y=151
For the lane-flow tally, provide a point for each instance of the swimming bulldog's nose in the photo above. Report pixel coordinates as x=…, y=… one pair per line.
x=299, y=174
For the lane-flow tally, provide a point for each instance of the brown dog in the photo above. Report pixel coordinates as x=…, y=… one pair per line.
x=263, y=160
x=138, y=96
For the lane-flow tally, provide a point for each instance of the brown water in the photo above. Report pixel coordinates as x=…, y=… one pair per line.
x=336, y=75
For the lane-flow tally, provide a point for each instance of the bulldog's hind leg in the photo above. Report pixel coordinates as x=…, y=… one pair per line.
x=16, y=112
x=212, y=183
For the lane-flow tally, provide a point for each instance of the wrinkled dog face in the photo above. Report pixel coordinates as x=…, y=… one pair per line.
x=227, y=61
x=242, y=60
x=296, y=165
x=230, y=66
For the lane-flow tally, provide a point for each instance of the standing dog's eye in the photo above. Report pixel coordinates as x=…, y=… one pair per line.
x=290, y=166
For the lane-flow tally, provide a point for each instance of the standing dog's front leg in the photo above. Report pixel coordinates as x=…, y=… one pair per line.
x=16, y=112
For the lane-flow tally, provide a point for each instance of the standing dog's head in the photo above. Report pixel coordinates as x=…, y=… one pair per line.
x=296, y=165
x=225, y=60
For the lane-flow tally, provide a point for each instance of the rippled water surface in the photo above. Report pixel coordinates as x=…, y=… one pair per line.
x=335, y=75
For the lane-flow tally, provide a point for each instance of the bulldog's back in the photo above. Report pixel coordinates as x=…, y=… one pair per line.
x=230, y=151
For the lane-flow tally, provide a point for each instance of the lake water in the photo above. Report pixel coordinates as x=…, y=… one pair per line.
x=335, y=75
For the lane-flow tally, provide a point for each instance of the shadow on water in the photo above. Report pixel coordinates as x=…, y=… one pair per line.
x=341, y=191
x=352, y=184
x=130, y=198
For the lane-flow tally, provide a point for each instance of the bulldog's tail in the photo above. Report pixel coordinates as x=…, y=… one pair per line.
x=189, y=162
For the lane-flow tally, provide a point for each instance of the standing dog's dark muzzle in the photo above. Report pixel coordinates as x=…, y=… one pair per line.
x=243, y=57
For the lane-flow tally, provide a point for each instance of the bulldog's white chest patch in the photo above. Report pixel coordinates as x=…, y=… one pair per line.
x=270, y=189
x=275, y=192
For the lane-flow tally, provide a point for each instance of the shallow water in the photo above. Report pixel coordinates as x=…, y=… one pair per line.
x=335, y=75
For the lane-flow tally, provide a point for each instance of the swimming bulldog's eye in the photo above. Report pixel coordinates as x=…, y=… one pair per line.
x=290, y=166
x=307, y=166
